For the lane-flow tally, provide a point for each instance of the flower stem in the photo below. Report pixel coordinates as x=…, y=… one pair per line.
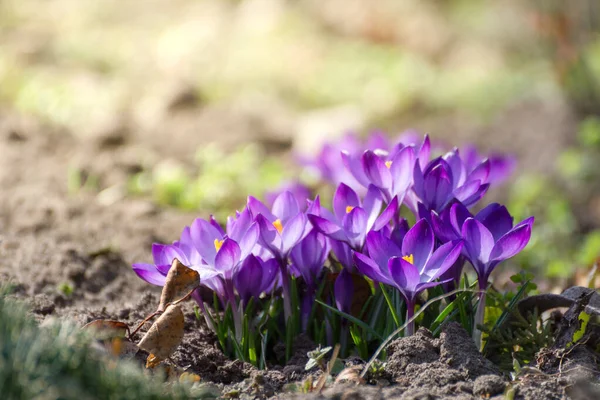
x=235, y=311
x=479, y=316
x=410, y=312
x=285, y=285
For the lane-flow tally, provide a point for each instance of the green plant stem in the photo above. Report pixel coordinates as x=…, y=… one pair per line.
x=410, y=312
x=390, y=305
x=285, y=285
x=479, y=316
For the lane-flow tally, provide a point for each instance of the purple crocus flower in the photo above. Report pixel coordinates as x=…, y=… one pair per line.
x=352, y=218
x=281, y=228
x=391, y=172
x=411, y=266
x=446, y=180
x=489, y=240
x=343, y=290
x=308, y=259
x=255, y=277
x=501, y=165
x=300, y=191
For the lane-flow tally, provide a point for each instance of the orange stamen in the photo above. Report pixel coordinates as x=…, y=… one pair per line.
x=410, y=258
x=349, y=209
x=218, y=244
x=278, y=225
x=388, y=164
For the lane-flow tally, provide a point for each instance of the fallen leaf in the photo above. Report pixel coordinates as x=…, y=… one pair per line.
x=351, y=374
x=181, y=281
x=164, y=335
x=152, y=361
x=107, y=329
x=189, y=377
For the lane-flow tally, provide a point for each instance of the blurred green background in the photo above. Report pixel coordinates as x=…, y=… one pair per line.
x=214, y=99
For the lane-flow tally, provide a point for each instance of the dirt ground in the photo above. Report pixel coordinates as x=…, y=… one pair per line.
x=88, y=240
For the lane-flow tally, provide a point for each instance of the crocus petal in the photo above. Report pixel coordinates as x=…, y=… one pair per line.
x=173, y=252
x=309, y=255
x=285, y=207
x=418, y=182
x=257, y=207
x=418, y=242
x=372, y=205
x=402, y=170
x=203, y=238
x=501, y=167
x=238, y=227
x=327, y=227
x=343, y=290
x=437, y=186
x=467, y=190
x=405, y=275
x=293, y=232
x=469, y=201
x=270, y=276
x=496, y=218
x=158, y=254
x=399, y=231
x=481, y=172
x=216, y=225
x=443, y=230
x=478, y=241
x=354, y=165
x=355, y=227
x=511, y=243
x=457, y=167
x=314, y=207
x=163, y=268
x=529, y=221
x=424, y=152
x=385, y=216
x=343, y=198
x=228, y=257
x=368, y=267
x=376, y=170
x=249, y=240
x=269, y=237
x=150, y=274
x=247, y=278
x=381, y=249
x=442, y=259
x=458, y=215
x=343, y=252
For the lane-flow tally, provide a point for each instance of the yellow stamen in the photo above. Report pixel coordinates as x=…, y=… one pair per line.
x=388, y=164
x=349, y=209
x=410, y=258
x=218, y=244
x=278, y=225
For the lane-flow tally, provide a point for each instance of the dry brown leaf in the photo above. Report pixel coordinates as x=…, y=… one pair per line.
x=181, y=280
x=164, y=335
x=152, y=361
x=107, y=329
x=189, y=377
x=351, y=374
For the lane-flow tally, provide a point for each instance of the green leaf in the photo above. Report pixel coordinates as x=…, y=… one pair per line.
x=390, y=305
x=351, y=319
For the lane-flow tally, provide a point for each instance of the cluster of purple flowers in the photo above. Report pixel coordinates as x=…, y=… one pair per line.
x=263, y=247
